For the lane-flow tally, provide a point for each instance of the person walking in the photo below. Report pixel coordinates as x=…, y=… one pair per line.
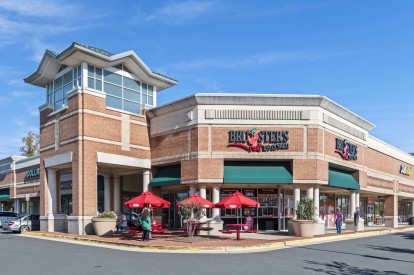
x=356, y=218
x=146, y=224
x=338, y=220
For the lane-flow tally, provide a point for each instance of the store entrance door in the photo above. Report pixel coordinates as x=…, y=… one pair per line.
x=286, y=208
x=170, y=215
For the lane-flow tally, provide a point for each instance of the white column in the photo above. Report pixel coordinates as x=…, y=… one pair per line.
x=193, y=190
x=352, y=204
x=145, y=181
x=17, y=206
x=203, y=194
x=117, y=194
x=357, y=200
x=107, y=193
x=296, y=198
x=51, y=192
x=309, y=193
x=316, y=200
x=203, y=191
x=215, y=192
x=412, y=208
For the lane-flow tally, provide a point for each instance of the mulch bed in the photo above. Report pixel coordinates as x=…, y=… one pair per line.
x=166, y=240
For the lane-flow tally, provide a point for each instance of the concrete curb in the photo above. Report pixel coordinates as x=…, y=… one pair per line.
x=222, y=249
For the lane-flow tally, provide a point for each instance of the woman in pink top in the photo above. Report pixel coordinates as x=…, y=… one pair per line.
x=338, y=220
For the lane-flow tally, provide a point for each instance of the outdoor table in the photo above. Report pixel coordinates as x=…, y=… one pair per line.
x=194, y=226
x=238, y=227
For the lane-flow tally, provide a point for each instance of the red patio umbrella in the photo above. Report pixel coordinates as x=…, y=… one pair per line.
x=197, y=199
x=237, y=200
x=147, y=199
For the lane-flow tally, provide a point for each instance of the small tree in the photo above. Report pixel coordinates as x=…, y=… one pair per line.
x=192, y=212
x=31, y=144
x=305, y=209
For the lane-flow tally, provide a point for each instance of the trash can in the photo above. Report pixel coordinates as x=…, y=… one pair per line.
x=411, y=221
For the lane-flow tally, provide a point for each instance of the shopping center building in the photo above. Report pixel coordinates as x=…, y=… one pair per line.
x=104, y=141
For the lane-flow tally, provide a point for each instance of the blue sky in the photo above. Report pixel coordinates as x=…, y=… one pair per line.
x=359, y=54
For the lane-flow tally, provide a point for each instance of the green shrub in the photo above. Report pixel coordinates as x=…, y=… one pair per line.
x=106, y=215
x=305, y=209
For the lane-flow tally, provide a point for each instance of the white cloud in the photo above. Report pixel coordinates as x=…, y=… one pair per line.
x=36, y=8
x=177, y=13
x=253, y=60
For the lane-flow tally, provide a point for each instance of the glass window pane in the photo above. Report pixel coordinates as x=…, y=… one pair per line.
x=131, y=107
x=131, y=84
x=144, y=99
x=144, y=88
x=150, y=101
x=58, y=83
x=119, y=66
x=113, y=78
x=113, y=102
x=150, y=89
x=98, y=73
x=67, y=88
x=79, y=70
x=67, y=77
x=112, y=89
x=91, y=70
x=99, y=85
x=91, y=83
x=131, y=95
x=58, y=104
x=58, y=95
x=65, y=101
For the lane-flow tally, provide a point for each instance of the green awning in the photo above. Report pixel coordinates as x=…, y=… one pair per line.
x=166, y=176
x=342, y=179
x=4, y=194
x=257, y=172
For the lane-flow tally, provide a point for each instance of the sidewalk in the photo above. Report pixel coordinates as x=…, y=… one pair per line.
x=177, y=242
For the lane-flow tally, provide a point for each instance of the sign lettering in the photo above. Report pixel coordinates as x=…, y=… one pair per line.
x=33, y=173
x=348, y=151
x=259, y=141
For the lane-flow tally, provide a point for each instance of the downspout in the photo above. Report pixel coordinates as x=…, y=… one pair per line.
x=83, y=161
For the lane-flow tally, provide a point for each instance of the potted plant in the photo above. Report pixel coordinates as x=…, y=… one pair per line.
x=305, y=223
x=104, y=223
x=192, y=213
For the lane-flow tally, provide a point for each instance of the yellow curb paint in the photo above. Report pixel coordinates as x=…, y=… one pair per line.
x=276, y=244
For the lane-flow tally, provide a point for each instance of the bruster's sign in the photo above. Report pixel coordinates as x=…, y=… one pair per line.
x=259, y=141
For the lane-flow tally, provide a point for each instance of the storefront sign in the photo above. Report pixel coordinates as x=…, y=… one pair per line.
x=405, y=170
x=33, y=173
x=259, y=141
x=348, y=151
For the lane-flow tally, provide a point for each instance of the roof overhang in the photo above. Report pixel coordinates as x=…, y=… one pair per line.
x=77, y=53
x=262, y=100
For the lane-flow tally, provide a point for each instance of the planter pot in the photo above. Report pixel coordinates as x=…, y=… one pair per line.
x=304, y=228
x=104, y=227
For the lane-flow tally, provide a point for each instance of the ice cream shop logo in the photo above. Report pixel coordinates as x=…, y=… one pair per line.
x=348, y=151
x=259, y=141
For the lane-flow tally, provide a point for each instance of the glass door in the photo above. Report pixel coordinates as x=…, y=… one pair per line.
x=170, y=215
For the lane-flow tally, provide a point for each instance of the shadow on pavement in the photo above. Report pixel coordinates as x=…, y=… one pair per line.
x=346, y=269
x=406, y=235
x=356, y=254
x=391, y=249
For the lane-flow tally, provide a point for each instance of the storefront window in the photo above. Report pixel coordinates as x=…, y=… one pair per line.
x=269, y=202
x=327, y=209
x=404, y=211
